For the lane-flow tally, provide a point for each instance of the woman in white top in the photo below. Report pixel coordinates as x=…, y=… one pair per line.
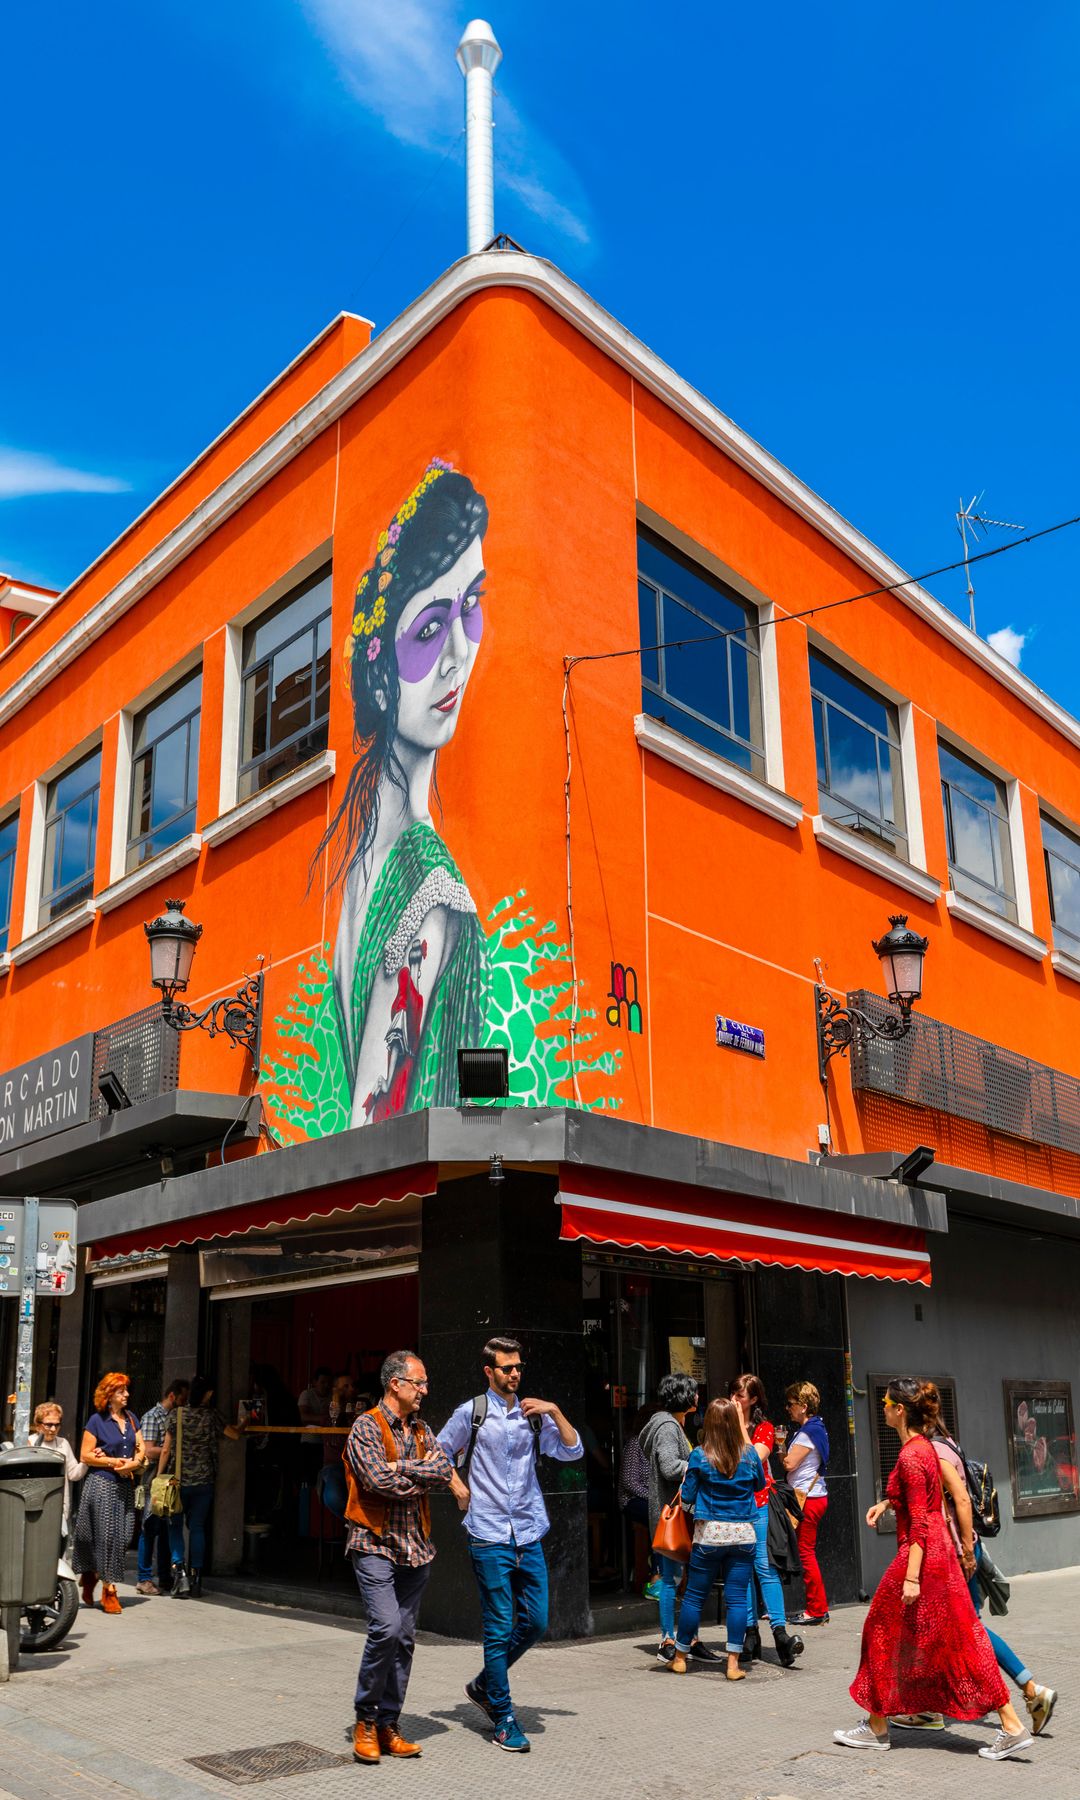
x=48, y=1418
x=805, y=1463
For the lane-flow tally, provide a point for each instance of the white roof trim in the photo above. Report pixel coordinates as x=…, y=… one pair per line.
x=473, y=275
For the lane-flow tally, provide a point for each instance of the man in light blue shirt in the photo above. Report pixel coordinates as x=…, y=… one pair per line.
x=506, y=1519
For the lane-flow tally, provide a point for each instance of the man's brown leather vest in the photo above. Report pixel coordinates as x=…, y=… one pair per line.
x=364, y=1506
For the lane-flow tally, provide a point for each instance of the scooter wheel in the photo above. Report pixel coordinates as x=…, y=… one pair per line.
x=43, y=1627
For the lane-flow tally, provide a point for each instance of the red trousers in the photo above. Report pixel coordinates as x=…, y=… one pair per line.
x=812, y=1514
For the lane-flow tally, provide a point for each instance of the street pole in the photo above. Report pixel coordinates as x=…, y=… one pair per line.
x=24, y=1352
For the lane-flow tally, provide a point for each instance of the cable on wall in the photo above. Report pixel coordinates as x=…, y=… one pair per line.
x=570, y=664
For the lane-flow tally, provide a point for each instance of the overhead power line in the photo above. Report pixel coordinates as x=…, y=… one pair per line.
x=822, y=606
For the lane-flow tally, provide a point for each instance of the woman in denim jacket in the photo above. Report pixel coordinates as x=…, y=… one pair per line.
x=721, y=1480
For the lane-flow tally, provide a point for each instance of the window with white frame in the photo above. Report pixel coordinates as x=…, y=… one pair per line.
x=9, y=837
x=164, y=771
x=285, y=686
x=1061, y=854
x=700, y=656
x=977, y=833
x=859, y=768
x=71, y=819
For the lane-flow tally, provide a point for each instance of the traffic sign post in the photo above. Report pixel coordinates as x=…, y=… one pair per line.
x=38, y=1243
x=38, y=1240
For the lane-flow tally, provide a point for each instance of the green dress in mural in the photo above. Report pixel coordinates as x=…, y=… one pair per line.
x=418, y=876
x=507, y=984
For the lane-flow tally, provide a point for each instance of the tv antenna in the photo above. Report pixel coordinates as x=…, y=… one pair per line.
x=970, y=519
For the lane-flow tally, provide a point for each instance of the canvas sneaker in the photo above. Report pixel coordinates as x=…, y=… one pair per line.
x=861, y=1737
x=924, y=1721
x=1006, y=1744
x=666, y=1651
x=509, y=1735
x=1040, y=1707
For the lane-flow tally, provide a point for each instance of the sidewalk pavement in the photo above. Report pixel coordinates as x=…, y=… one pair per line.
x=126, y=1703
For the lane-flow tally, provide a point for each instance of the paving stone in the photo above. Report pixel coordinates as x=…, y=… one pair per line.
x=219, y=1676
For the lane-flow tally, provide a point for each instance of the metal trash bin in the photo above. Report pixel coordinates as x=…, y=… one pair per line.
x=31, y=1518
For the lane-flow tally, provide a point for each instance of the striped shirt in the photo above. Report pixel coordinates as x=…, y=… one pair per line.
x=400, y=1483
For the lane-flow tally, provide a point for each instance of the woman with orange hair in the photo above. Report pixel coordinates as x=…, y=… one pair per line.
x=112, y=1449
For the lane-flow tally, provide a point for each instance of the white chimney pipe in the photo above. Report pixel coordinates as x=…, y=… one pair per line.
x=478, y=57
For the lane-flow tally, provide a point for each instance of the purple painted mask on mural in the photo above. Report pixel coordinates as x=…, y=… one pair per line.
x=420, y=645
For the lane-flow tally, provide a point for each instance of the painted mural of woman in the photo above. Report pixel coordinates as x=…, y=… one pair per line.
x=410, y=967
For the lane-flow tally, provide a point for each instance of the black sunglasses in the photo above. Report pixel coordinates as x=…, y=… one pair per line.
x=508, y=1368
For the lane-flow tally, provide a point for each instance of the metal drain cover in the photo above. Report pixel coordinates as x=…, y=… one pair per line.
x=268, y=1762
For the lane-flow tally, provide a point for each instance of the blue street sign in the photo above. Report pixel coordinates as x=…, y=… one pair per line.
x=731, y=1035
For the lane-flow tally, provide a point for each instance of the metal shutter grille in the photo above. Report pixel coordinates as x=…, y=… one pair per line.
x=886, y=1442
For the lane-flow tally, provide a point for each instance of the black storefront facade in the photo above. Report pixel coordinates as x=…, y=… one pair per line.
x=397, y=1234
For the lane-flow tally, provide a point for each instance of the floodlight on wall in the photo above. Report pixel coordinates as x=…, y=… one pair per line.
x=901, y=953
x=113, y=1091
x=484, y=1074
x=172, y=940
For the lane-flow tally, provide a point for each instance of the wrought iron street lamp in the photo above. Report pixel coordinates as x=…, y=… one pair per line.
x=172, y=940
x=901, y=953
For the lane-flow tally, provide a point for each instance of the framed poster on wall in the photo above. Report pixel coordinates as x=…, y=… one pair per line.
x=1042, y=1448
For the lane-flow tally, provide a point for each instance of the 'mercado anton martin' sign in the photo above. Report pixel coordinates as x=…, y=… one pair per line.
x=46, y=1094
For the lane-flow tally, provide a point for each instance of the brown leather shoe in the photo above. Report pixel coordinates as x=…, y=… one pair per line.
x=365, y=1742
x=391, y=1742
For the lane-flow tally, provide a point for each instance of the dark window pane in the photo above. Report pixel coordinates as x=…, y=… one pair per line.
x=73, y=782
x=256, y=692
x=170, y=776
x=272, y=629
x=827, y=680
x=853, y=773
x=193, y=760
x=819, y=742
x=743, y=673
x=668, y=570
x=1064, y=878
x=973, y=838
x=961, y=774
x=167, y=712
x=141, y=791
x=696, y=675
x=650, y=632
x=78, y=849
x=1061, y=842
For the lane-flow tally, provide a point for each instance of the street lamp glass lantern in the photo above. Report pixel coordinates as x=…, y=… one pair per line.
x=172, y=940
x=901, y=953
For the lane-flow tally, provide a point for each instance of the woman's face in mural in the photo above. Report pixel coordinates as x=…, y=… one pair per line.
x=437, y=638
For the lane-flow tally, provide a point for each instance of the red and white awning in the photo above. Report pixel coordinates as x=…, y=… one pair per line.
x=673, y=1219
x=267, y=1215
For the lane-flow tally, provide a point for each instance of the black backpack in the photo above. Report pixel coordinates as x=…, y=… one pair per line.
x=986, y=1513
x=479, y=1414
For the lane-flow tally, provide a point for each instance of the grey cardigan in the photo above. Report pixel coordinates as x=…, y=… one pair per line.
x=667, y=1447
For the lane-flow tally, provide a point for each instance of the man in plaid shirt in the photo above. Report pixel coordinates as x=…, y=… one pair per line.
x=392, y=1459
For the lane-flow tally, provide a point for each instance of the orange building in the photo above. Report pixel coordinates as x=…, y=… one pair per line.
x=484, y=686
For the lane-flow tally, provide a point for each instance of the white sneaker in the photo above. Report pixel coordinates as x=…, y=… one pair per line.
x=1040, y=1707
x=1007, y=1744
x=862, y=1737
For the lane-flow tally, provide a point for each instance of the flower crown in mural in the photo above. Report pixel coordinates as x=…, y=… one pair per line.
x=371, y=590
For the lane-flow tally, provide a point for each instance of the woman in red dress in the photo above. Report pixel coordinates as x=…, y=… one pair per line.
x=924, y=1648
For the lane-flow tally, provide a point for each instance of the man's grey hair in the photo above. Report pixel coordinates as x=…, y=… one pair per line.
x=396, y=1367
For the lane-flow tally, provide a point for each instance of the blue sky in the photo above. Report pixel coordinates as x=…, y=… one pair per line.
x=853, y=227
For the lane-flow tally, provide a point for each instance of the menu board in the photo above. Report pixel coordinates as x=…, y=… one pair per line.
x=1042, y=1448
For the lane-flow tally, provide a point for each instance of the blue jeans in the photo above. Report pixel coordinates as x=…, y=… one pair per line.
x=509, y=1578
x=671, y=1573
x=772, y=1589
x=734, y=1563
x=196, y=1503
x=1007, y=1659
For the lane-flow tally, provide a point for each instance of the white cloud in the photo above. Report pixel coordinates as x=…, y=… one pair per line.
x=397, y=57
x=1009, y=643
x=24, y=472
